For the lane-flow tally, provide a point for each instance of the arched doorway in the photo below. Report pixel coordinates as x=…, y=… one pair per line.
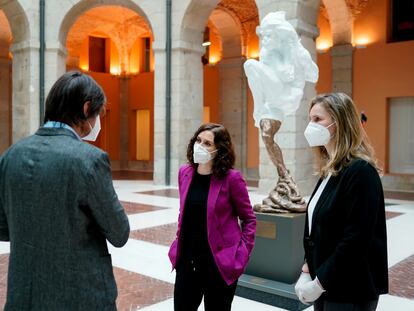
x=18, y=89
x=230, y=39
x=5, y=83
x=117, y=52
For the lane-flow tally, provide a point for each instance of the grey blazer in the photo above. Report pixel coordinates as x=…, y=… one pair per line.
x=57, y=208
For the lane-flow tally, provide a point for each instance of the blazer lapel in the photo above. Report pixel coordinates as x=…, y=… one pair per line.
x=185, y=186
x=324, y=195
x=215, y=186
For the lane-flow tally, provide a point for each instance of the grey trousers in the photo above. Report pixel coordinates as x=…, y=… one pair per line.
x=322, y=305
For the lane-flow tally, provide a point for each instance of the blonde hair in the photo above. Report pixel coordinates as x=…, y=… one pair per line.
x=350, y=139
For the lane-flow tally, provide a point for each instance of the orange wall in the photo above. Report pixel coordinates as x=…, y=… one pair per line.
x=381, y=71
x=324, y=84
x=324, y=60
x=324, y=40
x=372, y=24
x=211, y=91
x=141, y=96
x=108, y=138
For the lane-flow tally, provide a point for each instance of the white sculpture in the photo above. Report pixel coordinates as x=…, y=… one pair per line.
x=277, y=81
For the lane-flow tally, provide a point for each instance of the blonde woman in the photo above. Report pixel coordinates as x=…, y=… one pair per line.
x=345, y=237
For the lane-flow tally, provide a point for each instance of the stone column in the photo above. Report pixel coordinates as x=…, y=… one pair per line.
x=186, y=104
x=55, y=63
x=342, y=59
x=233, y=105
x=5, y=103
x=25, y=98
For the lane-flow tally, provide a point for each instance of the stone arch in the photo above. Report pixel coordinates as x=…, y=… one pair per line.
x=17, y=18
x=340, y=20
x=195, y=19
x=5, y=35
x=80, y=8
x=123, y=29
x=229, y=29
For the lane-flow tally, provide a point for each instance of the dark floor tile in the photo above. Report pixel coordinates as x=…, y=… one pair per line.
x=163, y=235
x=135, y=208
x=136, y=291
x=132, y=175
x=168, y=192
x=252, y=183
x=399, y=195
x=401, y=278
x=390, y=215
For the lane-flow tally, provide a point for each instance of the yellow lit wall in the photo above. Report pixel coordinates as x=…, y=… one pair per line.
x=206, y=114
x=215, y=48
x=371, y=26
x=134, y=58
x=211, y=92
x=253, y=46
x=115, y=64
x=143, y=134
x=84, y=55
x=152, y=60
x=324, y=41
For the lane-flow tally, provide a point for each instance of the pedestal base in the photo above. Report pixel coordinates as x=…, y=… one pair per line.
x=270, y=292
x=278, y=253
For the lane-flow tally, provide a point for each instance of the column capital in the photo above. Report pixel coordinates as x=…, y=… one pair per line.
x=56, y=46
x=304, y=28
x=342, y=49
x=25, y=45
x=35, y=45
x=231, y=62
x=179, y=45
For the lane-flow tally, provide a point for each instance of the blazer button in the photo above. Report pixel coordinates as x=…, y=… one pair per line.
x=311, y=244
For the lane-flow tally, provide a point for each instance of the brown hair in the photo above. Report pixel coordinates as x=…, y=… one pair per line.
x=350, y=139
x=225, y=157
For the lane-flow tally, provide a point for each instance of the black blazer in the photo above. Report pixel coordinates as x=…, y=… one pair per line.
x=347, y=247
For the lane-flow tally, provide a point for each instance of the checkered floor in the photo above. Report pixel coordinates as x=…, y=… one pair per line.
x=143, y=272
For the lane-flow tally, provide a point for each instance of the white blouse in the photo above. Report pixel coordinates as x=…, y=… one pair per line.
x=315, y=199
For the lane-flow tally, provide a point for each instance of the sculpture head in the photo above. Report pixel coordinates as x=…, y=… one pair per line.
x=275, y=31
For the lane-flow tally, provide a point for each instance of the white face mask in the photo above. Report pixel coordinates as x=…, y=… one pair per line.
x=317, y=135
x=200, y=154
x=93, y=134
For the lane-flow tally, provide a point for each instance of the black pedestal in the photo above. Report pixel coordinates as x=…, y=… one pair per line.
x=276, y=261
x=270, y=292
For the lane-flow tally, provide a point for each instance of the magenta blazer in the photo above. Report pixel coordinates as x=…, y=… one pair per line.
x=228, y=202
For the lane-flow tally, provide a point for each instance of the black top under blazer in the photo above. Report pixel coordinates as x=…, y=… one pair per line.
x=347, y=247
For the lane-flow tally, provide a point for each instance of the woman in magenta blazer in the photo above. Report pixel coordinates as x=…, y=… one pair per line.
x=216, y=224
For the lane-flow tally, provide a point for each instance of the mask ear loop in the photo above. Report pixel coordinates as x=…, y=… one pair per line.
x=330, y=124
x=331, y=136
